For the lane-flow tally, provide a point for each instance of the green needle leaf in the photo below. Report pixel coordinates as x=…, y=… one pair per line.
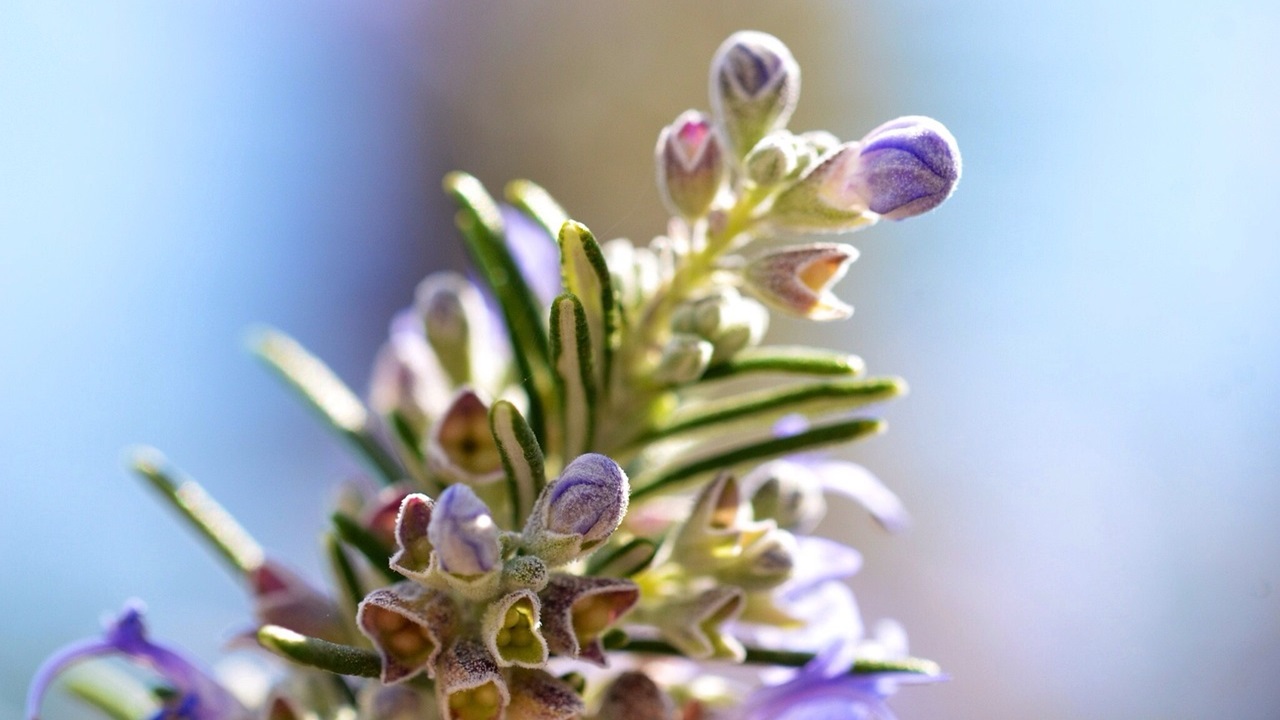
x=481, y=226
x=766, y=406
x=536, y=203
x=336, y=404
x=585, y=275
x=571, y=357
x=521, y=458
x=671, y=479
x=213, y=523
x=788, y=360
x=354, y=534
x=317, y=653
x=345, y=575
x=625, y=561
x=785, y=658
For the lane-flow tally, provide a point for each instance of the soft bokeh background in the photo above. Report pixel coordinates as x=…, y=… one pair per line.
x=1089, y=326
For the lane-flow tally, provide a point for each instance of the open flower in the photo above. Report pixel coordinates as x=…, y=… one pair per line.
x=195, y=696
x=798, y=279
x=825, y=689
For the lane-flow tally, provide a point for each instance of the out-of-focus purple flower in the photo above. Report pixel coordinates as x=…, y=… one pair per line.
x=844, y=478
x=824, y=689
x=815, y=596
x=901, y=169
x=196, y=696
x=536, y=254
x=463, y=533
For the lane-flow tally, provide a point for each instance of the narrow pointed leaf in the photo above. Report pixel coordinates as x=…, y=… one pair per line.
x=336, y=404
x=585, y=275
x=482, y=228
x=675, y=478
x=571, y=356
x=766, y=406
x=786, y=360
x=521, y=458
x=409, y=447
x=343, y=572
x=536, y=203
x=353, y=534
x=213, y=523
x=784, y=658
x=317, y=653
x=625, y=561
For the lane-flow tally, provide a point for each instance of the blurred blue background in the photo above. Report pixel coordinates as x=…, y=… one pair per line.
x=1088, y=326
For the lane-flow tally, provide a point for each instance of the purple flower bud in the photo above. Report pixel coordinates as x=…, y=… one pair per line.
x=755, y=83
x=691, y=165
x=904, y=168
x=588, y=500
x=463, y=533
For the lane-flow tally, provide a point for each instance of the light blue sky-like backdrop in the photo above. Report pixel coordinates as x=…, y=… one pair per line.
x=1089, y=327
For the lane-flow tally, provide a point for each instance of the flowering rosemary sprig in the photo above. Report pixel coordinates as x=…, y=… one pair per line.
x=595, y=457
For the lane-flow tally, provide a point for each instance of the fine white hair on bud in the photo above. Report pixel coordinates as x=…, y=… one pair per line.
x=755, y=84
x=463, y=533
x=691, y=165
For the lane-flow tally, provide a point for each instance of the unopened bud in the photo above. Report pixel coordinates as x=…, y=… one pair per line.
x=787, y=493
x=463, y=533
x=684, y=358
x=773, y=159
x=755, y=83
x=764, y=564
x=724, y=318
x=455, y=320
x=798, y=279
x=691, y=165
x=905, y=167
x=579, y=511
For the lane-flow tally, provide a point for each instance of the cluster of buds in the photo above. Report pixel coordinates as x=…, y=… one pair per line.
x=481, y=608
x=589, y=452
